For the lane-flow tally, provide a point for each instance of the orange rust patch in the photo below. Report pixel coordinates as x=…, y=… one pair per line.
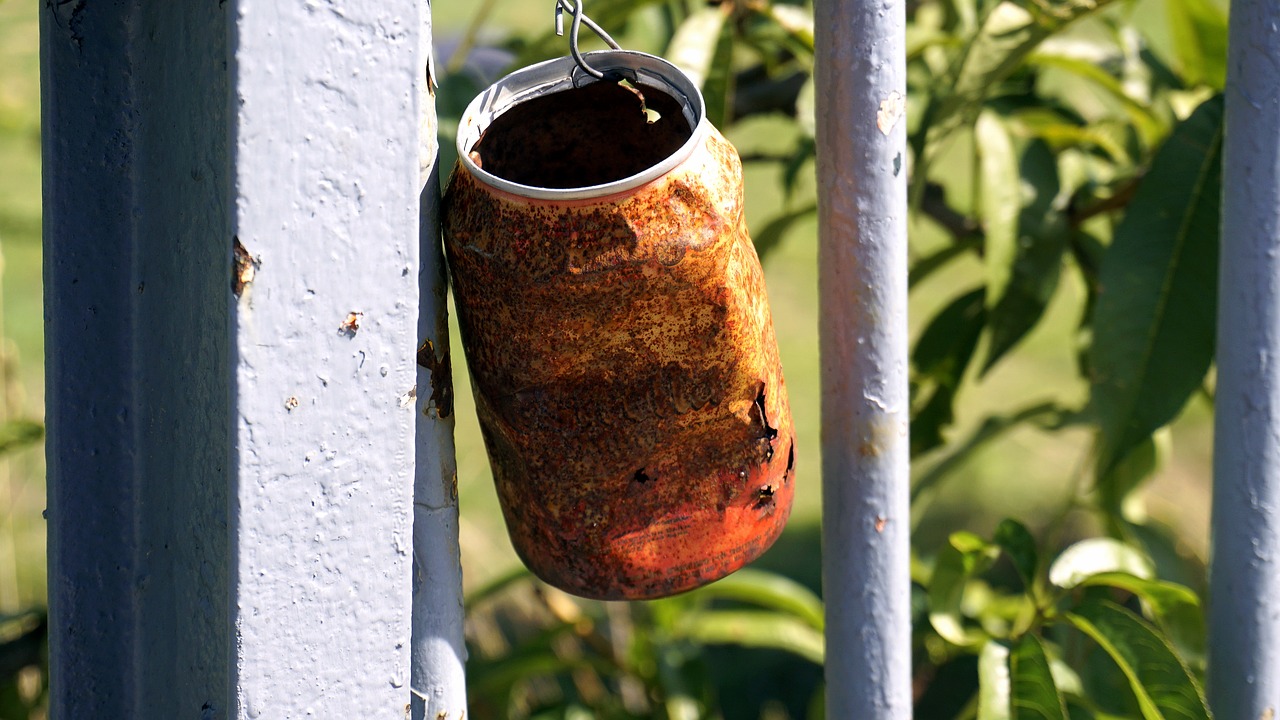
x=351, y=324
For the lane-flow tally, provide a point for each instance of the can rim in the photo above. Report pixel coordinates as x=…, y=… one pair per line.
x=562, y=74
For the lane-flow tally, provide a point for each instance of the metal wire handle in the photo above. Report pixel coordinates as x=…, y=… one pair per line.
x=580, y=18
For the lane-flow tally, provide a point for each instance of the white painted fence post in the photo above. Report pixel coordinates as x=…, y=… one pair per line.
x=862, y=203
x=231, y=421
x=1244, y=603
x=326, y=184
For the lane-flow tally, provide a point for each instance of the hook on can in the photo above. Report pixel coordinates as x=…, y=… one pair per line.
x=579, y=19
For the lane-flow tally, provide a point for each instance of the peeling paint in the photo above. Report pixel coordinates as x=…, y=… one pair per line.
x=441, y=378
x=244, y=267
x=351, y=324
x=891, y=110
x=408, y=397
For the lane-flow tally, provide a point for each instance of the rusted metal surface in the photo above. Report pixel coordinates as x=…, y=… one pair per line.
x=626, y=373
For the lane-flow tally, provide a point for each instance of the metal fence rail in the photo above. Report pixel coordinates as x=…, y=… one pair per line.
x=862, y=214
x=1244, y=607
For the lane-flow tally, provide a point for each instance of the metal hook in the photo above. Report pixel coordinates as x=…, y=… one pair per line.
x=579, y=18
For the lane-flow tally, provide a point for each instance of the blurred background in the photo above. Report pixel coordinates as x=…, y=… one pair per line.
x=1015, y=438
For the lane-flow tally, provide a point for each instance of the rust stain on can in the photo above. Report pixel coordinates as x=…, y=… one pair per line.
x=626, y=373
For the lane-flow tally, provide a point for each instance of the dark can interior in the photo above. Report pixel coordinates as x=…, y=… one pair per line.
x=585, y=136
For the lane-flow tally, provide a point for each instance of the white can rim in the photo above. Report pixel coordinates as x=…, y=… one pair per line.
x=552, y=76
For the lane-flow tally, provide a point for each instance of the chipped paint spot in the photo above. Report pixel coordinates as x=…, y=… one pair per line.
x=407, y=399
x=891, y=110
x=441, y=378
x=290, y=403
x=244, y=267
x=881, y=522
x=351, y=324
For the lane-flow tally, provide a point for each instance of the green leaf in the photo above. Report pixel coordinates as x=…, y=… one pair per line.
x=769, y=590
x=928, y=422
x=1033, y=270
x=1164, y=687
x=953, y=686
x=770, y=236
x=703, y=48
x=994, y=683
x=1128, y=474
x=532, y=657
x=943, y=351
x=964, y=556
x=1009, y=33
x=1063, y=132
x=1153, y=326
x=1176, y=608
x=992, y=428
x=754, y=628
x=806, y=107
x=16, y=434
x=1144, y=120
x=795, y=20
x=1093, y=556
x=926, y=266
x=1199, y=30
x=806, y=151
x=941, y=354
x=1000, y=193
x=1017, y=542
x=1034, y=694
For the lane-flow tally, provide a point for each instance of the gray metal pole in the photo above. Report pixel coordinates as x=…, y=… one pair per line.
x=861, y=140
x=439, y=650
x=1244, y=603
x=137, y=273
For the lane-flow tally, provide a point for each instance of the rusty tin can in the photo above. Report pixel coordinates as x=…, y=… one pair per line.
x=614, y=318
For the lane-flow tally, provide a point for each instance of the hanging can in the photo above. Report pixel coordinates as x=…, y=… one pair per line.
x=615, y=323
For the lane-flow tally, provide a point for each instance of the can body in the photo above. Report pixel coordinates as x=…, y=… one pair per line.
x=625, y=371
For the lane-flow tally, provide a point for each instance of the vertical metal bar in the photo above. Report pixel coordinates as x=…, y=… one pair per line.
x=861, y=139
x=1244, y=607
x=134, y=120
x=438, y=648
x=327, y=180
